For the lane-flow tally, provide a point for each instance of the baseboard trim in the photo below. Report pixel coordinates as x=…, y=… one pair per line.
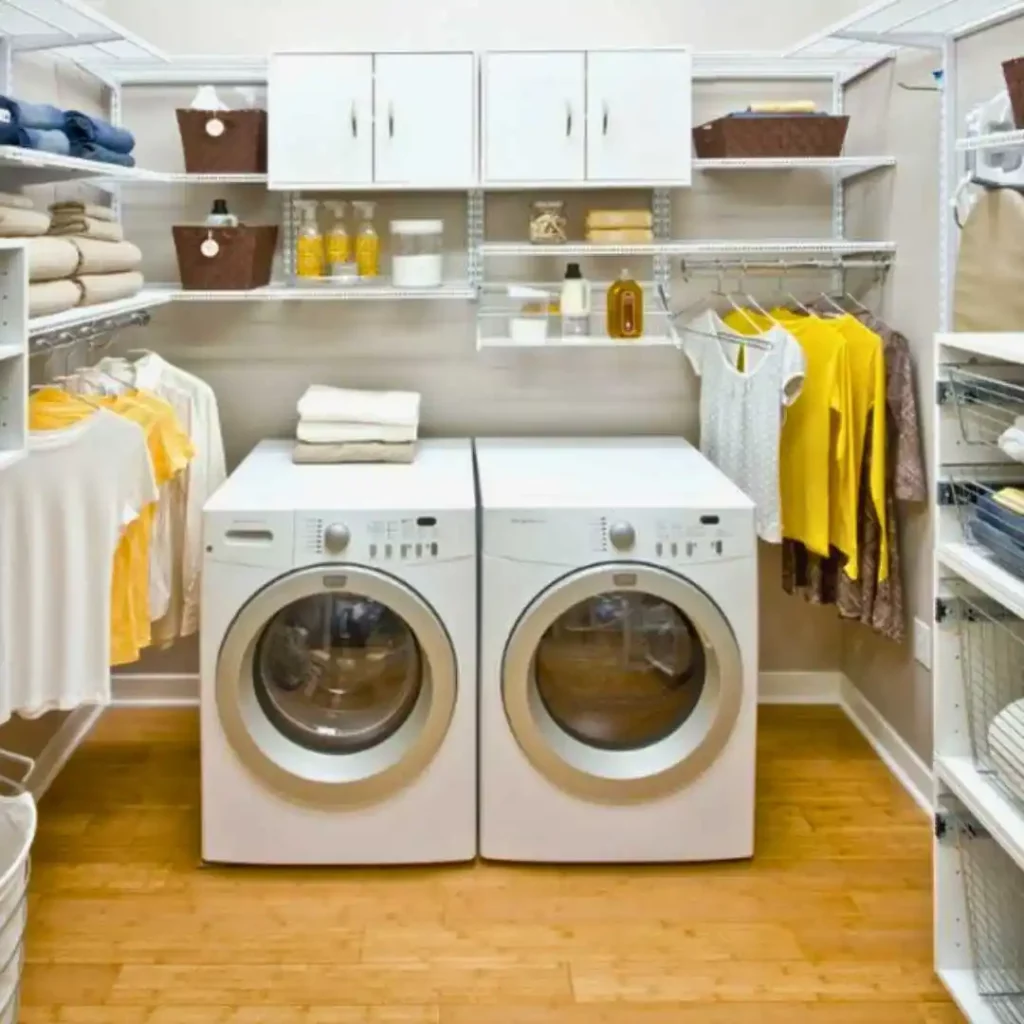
x=154, y=690
x=58, y=750
x=910, y=771
x=799, y=687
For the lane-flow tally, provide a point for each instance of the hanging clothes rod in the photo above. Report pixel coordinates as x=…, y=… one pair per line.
x=773, y=268
x=61, y=337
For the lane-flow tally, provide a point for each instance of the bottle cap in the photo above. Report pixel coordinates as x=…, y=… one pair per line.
x=572, y=272
x=220, y=207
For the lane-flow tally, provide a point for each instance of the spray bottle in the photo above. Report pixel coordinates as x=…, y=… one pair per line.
x=309, y=246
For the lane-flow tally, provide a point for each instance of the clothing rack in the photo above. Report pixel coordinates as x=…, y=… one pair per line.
x=46, y=342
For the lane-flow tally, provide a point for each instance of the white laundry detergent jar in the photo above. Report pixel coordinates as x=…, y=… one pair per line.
x=417, y=259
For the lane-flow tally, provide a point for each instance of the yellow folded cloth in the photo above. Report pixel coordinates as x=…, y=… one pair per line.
x=783, y=107
x=1011, y=498
x=604, y=219
x=97, y=288
x=619, y=236
x=16, y=222
x=353, y=451
x=52, y=297
x=82, y=210
x=50, y=259
x=97, y=256
x=87, y=227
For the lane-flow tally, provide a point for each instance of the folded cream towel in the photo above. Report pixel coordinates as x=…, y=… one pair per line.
x=88, y=227
x=97, y=288
x=99, y=257
x=83, y=210
x=319, y=432
x=50, y=259
x=13, y=199
x=357, y=451
x=343, y=405
x=52, y=297
x=19, y=223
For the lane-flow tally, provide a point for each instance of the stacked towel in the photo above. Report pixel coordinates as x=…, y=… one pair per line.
x=342, y=425
x=81, y=219
x=47, y=128
x=92, y=138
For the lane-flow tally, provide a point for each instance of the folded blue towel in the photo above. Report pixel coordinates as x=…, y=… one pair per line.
x=43, y=116
x=90, y=151
x=83, y=129
x=10, y=134
x=44, y=141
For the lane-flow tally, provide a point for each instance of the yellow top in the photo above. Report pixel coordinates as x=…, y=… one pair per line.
x=170, y=451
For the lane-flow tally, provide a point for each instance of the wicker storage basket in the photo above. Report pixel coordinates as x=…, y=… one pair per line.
x=765, y=136
x=224, y=141
x=1013, y=72
x=244, y=257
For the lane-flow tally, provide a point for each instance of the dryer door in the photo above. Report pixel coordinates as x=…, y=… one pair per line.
x=622, y=683
x=336, y=685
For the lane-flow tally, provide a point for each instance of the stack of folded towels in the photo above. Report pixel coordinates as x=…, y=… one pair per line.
x=49, y=129
x=341, y=425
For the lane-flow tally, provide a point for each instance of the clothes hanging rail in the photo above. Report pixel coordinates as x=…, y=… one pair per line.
x=47, y=341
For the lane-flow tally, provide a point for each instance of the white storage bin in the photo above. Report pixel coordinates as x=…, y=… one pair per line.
x=417, y=253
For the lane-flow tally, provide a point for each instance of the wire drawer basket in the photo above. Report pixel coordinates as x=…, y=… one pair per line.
x=994, y=894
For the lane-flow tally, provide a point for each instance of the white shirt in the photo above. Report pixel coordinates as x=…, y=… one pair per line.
x=741, y=411
x=62, y=512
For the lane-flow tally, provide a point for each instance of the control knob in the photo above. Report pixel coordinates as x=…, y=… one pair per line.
x=622, y=536
x=336, y=538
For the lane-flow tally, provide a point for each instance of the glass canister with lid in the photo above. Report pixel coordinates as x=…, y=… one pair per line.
x=417, y=253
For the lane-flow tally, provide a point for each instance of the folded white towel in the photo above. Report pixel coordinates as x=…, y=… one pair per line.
x=336, y=454
x=1011, y=441
x=344, y=405
x=320, y=432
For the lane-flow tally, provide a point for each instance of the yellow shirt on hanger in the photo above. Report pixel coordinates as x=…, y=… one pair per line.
x=814, y=431
x=170, y=451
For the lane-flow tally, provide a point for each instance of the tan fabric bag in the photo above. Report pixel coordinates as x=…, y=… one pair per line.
x=988, y=293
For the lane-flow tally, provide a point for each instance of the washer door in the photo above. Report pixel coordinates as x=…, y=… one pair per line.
x=622, y=683
x=336, y=685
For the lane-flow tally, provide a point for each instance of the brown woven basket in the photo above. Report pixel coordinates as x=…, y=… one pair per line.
x=245, y=257
x=792, y=135
x=224, y=141
x=1013, y=72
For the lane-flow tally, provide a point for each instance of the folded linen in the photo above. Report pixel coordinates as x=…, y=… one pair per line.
x=319, y=432
x=97, y=288
x=1011, y=441
x=87, y=227
x=16, y=223
x=17, y=202
x=92, y=151
x=1011, y=498
x=357, y=451
x=346, y=405
x=50, y=259
x=48, y=297
x=44, y=140
x=83, y=129
x=30, y=115
x=79, y=209
x=783, y=107
x=97, y=256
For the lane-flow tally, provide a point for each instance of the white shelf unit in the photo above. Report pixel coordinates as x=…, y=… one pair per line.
x=13, y=353
x=327, y=293
x=844, y=168
x=20, y=167
x=81, y=316
x=1006, y=346
x=696, y=248
x=995, y=140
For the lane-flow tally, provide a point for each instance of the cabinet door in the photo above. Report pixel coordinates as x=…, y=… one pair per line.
x=425, y=119
x=320, y=120
x=533, y=117
x=639, y=116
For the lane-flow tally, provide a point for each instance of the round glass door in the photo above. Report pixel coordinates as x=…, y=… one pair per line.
x=336, y=686
x=622, y=683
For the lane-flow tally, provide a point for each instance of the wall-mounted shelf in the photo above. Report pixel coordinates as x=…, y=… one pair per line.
x=995, y=140
x=977, y=568
x=694, y=249
x=20, y=167
x=80, y=316
x=13, y=352
x=326, y=293
x=845, y=167
x=1007, y=347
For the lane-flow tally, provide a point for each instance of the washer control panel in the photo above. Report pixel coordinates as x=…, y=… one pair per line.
x=382, y=539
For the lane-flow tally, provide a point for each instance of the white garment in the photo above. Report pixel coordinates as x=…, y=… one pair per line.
x=321, y=432
x=741, y=411
x=196, y=484
x=62, y=512
x=343, y=405
x=1011, y=441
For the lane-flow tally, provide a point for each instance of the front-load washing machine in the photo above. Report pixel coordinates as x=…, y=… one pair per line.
x=618, y=671
x=338, y=693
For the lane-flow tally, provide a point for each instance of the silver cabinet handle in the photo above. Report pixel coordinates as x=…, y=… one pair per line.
x=355, y=122
x=568, y=119
x=604, y=117
x=391, y=120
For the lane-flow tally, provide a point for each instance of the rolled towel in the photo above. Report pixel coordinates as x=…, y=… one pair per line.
x=31, y=115
x=87, y=227
x=99, y=257
x=318, y=432
x=52, y=297
x=93, y=210
x=344, y=405
x=97, y=288
x=18, y=202
x=90, y=151
x=44, y=140
x=358, y=451
x=17, y=223
x=50, y=259
x=83, y=129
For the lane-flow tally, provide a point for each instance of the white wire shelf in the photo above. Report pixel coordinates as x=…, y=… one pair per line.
x=845, y=167
x=693, y=249
x=327, y=293
x=963, y=987
x=19, y=167
x=596, y=340
x=1007, y=347
x=994, y=140
x=79, y=316
x=977, y=568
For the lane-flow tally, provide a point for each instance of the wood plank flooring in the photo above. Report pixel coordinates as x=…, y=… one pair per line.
x=830, y=924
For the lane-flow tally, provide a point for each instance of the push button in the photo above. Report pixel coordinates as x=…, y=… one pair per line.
x=433, y=549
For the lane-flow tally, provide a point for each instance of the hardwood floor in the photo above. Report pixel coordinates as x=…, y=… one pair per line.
x=830, y=924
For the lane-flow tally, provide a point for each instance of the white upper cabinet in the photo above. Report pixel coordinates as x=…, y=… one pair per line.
x=639, y=116
x=320, y=120
x=535, y=114
x=425, y=119
x=615, y=117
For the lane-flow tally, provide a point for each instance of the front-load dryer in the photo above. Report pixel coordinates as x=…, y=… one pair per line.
x=618, y=672
x=339, y=640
